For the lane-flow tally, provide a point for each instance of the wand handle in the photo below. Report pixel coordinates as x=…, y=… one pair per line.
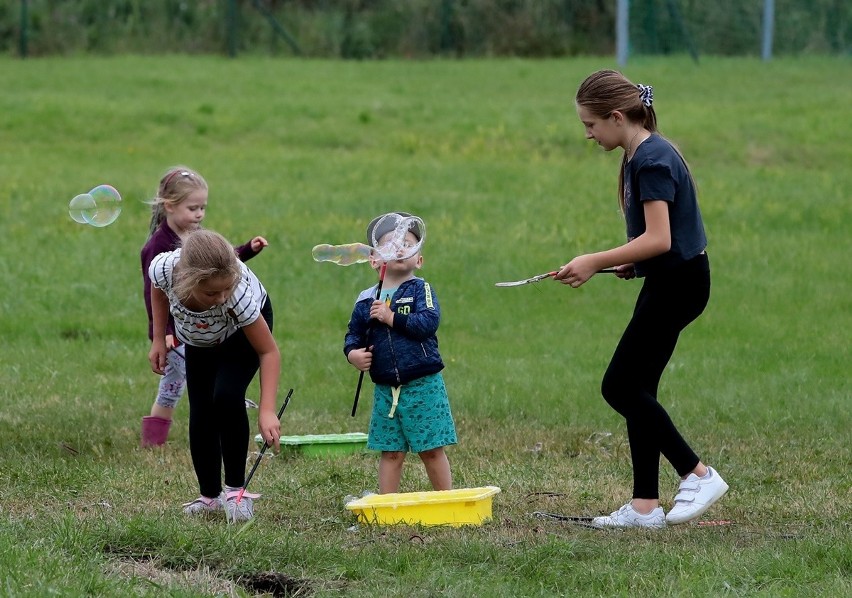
x=361, y=375
x=262, y=449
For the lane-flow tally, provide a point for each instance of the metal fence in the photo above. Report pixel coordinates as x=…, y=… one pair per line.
x=366, y=29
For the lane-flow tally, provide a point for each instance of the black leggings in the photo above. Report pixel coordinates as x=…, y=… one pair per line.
x=217, y=379
x=667, y=302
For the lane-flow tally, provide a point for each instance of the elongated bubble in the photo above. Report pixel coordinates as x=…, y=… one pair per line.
x=342, y=255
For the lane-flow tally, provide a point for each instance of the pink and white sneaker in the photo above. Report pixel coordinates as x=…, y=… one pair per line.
x=202, y=505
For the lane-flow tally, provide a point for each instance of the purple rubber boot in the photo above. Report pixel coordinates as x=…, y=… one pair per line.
x=155, y=430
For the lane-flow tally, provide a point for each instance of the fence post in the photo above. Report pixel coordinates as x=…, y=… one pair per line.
x=231, y=27
x=22, y=41
x=622, y=35
x=768, y=28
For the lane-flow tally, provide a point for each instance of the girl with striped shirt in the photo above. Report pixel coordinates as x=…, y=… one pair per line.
x=223, y=315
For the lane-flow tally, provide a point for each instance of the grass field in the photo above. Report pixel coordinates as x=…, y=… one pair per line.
x=491, y=155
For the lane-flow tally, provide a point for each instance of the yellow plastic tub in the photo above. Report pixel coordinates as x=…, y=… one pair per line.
x=322, y=445
x=462, y=506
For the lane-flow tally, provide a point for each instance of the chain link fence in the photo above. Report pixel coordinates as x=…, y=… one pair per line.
x=369, y=29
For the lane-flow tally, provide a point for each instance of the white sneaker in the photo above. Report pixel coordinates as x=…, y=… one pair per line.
x=627, y=516
x=696, y=495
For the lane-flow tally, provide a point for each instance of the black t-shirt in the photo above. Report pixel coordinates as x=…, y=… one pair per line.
x=657, y=172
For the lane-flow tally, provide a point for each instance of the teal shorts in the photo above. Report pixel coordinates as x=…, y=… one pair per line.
x=420, y=420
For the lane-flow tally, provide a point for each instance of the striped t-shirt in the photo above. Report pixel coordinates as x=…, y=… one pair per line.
x=210, y=327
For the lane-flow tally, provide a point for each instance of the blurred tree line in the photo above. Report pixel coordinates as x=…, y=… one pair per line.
x=365, y=29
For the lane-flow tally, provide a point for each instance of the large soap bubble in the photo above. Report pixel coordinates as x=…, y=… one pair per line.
x=99, y=207
x=388, y=235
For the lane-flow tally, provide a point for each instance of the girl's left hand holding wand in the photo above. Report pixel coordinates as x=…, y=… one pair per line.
x=578, y=271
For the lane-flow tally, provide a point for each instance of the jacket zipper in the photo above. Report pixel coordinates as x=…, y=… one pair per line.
x=393, y=356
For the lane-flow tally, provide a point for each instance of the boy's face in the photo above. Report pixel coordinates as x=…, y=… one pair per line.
x=408, y=264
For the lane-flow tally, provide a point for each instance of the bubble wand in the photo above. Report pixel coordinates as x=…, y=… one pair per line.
x=361, y=374
x=262, y=449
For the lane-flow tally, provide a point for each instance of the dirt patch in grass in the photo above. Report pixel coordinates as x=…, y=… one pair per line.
x=206, y=580
x=202, y=579
x=276, y=584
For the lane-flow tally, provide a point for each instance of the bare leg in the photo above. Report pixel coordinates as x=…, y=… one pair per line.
x=390, y=471
x=700, y=470
x=437, y=468
x=645, y=505
x=164, y=412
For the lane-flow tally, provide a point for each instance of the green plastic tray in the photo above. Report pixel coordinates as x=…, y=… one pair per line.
x=322, y=445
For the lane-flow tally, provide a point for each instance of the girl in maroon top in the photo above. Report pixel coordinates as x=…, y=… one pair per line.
x=178, y=208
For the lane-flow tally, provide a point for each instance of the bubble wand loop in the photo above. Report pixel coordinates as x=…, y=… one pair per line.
x=538, y=277
x=361, y=375
x=262, y=449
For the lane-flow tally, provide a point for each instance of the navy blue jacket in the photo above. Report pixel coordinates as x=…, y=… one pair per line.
x=407, y=351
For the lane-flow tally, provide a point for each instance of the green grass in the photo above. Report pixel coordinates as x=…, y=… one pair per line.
x=491, y=155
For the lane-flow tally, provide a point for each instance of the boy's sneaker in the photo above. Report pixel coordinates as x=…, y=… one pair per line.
x=627, y=516
x=202, y=504
x=242, y=511
x=696, y=495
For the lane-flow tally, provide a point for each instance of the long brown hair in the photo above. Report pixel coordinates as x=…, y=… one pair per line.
x=603, y=92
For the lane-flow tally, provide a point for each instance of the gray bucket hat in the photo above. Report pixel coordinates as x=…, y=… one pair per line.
x=389, y=225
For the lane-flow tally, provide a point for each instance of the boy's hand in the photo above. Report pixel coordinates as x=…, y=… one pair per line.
x=381, y=312
x=362, y=359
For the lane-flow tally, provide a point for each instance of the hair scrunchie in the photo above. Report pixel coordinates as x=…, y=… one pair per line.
x=646, y=94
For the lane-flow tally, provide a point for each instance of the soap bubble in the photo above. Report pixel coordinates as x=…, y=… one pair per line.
x=107, y=205
x=342, y=255
x=391, y=229
x=99, y=207
x=388, y=235
x=82, y=204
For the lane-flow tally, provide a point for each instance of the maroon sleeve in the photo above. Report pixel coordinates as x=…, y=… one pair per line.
x=245, y=252
x=161, y=241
